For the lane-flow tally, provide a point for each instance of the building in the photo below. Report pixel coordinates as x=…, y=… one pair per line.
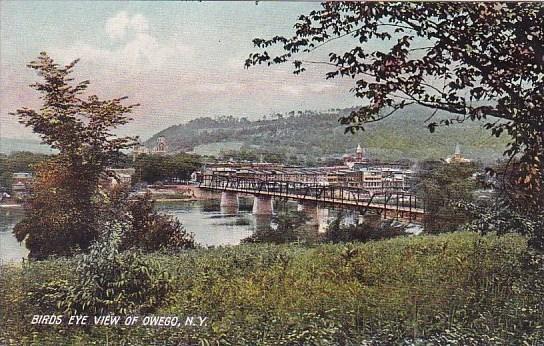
x=457, y=157
x=21, y=184
x=161, y=147
x=119, y=176
x=359, y=158
x=375, y=181
x=139, y=150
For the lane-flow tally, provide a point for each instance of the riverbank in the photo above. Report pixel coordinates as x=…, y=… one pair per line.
x=458, y=288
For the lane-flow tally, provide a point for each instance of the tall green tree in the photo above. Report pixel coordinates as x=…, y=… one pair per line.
x=63, y=212
x=476, y=61
x=442, y=187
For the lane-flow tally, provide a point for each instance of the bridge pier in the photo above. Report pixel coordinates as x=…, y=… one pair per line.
x=229, y=202
x=310, y=210
x=322, y=220
x=262, y=205
x=318, y=217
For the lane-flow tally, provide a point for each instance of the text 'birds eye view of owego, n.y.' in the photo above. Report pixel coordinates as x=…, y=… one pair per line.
x=271, y=173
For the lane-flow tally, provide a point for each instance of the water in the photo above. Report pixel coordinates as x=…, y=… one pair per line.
x=210, y=224
x=10, y=249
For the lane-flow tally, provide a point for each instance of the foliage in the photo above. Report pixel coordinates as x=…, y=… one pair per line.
x=459, y=288
x=60, y=218
x=115, y=282
x=362, y=232
x=108, y=281
x=288, y=226
x=20, y=161
x=153, y=168
x=152, y=231
x=254, y=156
x=477, y=61
x=290, y=139
x=441, y=187
x=62, y=213
x=500, y=217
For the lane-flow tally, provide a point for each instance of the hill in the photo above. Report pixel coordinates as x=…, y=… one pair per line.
x=9, y=145
x=319, y=134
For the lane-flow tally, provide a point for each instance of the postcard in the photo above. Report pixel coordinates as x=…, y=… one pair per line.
x=271, y=173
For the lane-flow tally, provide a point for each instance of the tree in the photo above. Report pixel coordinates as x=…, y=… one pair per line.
x=476, y=61
x=290, y=226
x=62, y=215
x=153, y=168
x=442, y=188
x=150, y=230
x=21, y=161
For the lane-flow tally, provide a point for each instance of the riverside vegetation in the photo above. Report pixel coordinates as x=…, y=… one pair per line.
x=125, y=259
x=457, y=288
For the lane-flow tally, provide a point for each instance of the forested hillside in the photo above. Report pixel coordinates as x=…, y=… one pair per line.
x=313, y=134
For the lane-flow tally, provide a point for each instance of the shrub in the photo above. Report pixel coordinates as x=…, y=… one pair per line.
x=501, y=217
x=147, y=229
x=363, y=232
x=108, y=282
x=289, y=226
x=151, y=231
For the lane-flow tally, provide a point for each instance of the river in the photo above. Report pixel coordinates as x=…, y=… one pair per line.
x=210, y=225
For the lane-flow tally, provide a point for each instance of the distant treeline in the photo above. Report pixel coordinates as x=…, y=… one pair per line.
x=315, y=135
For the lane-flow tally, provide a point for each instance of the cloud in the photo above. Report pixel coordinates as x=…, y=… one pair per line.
x=136, y=50
x=122, y=23
x=177, y=75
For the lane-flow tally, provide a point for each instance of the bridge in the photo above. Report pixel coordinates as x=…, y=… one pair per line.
x=389, y=205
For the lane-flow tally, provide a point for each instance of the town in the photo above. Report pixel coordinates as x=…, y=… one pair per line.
x=363, y=188
x=271, y=173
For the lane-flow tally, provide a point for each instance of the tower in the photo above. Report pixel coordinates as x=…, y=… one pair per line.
x=359, y=153
x=161, y=147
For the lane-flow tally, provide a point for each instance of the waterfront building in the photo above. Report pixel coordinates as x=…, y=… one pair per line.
x=359, y=172
x=375, y=181
x=21, y=183
x=138, y=150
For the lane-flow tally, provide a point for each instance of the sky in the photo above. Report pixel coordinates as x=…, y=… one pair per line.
x=179, y=60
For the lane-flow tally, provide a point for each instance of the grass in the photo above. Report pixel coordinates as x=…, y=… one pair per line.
x=458, y=288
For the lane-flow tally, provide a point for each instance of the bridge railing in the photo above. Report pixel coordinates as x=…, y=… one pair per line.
x=396, y=202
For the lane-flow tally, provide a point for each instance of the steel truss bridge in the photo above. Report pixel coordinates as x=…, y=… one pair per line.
x=390, y=205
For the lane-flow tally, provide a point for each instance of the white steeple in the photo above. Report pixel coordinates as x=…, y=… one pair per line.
x=359, y=149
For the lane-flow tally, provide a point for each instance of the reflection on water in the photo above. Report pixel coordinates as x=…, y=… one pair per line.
x=210, y=224
x=10, y=249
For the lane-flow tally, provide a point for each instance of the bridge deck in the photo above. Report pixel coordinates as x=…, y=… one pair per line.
x=361, y=203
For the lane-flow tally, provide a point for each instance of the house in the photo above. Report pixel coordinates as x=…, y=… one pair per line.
x=120, y=176
x=21, y=184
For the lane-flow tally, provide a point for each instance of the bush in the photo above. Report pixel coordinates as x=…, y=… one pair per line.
x=363, y=232
x=453, y=289
x=501, y=217
x=289, y=226
x=108, y=282
x=152, y=231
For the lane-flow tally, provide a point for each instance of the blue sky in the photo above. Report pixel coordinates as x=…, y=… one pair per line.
x=179, y=60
